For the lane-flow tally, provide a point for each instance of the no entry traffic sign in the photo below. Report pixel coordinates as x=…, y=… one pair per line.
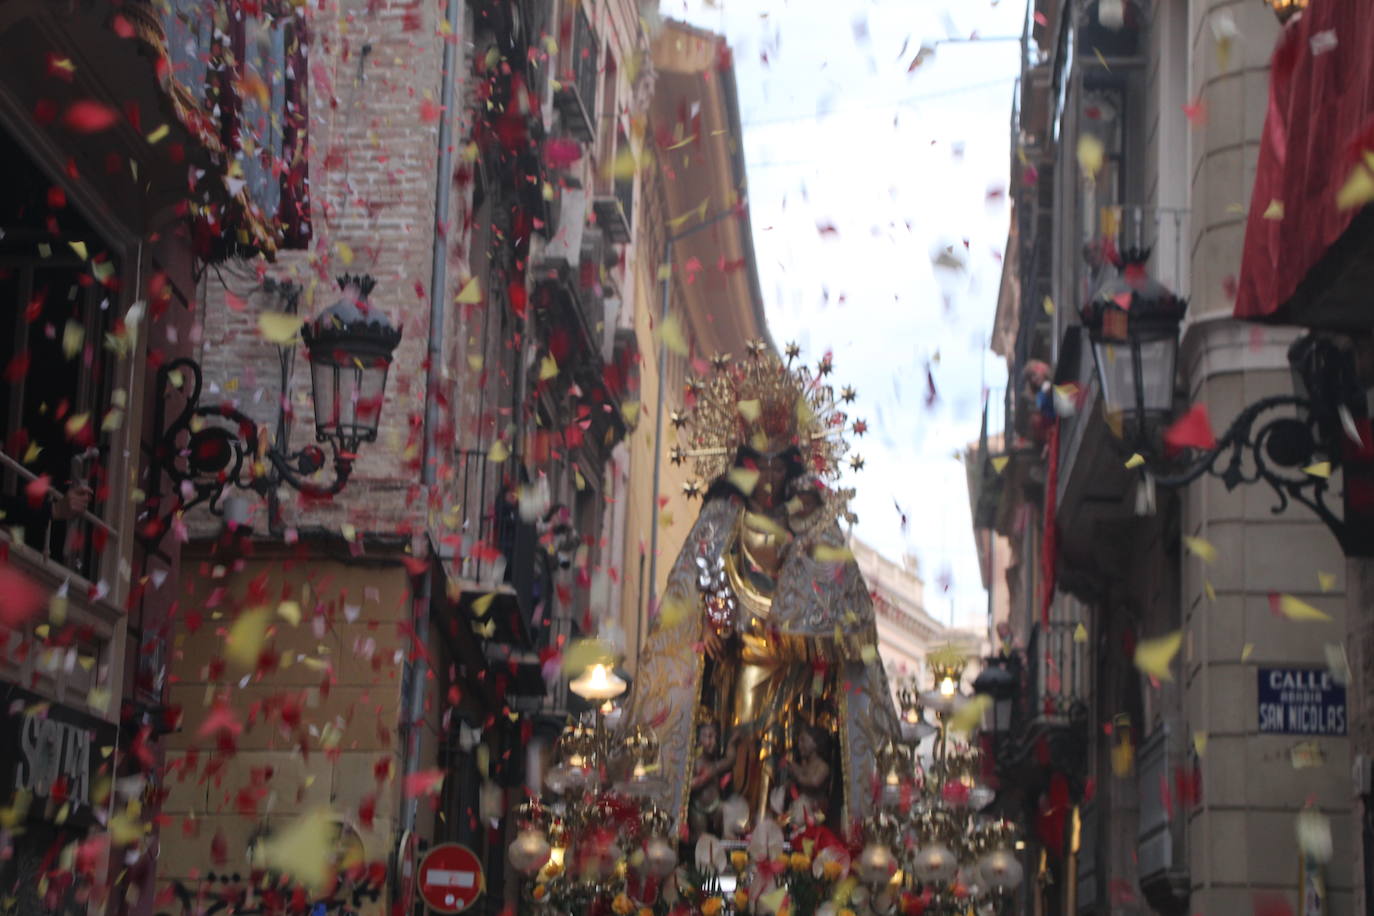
x=450, y=878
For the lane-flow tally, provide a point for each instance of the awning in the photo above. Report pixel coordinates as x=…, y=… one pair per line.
x=1303, y=247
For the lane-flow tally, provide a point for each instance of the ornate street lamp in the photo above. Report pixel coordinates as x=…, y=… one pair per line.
x=1133, y=325
x=206, y=449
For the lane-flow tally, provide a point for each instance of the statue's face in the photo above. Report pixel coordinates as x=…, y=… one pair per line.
x=806, y=744
x=707, y=739
x=768, y=491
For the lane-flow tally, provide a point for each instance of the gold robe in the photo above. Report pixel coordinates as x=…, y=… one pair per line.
x=818, y=609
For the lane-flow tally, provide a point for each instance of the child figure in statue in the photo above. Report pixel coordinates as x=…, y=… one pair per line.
x=704, y=809
x=807, y=778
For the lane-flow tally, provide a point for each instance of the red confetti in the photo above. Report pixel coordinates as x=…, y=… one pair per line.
x=423, y=783
x=20, y=598
x=1192, y=430
x=89, y=117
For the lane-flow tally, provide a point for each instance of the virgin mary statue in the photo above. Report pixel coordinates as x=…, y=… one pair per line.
x=760, y=674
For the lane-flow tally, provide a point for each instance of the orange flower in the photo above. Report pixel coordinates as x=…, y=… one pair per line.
x=622, y=905
x=739, y=859
x=712, y=906
x=800, y=861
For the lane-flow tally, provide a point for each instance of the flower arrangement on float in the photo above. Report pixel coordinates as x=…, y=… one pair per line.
x=603, y=849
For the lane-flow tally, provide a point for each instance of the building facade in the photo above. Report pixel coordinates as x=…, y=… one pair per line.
x=398, y=635
x=907, y=633
x=1151, y=618
x=135, y=160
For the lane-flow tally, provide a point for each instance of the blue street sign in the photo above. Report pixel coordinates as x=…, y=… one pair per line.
x=1300, y=701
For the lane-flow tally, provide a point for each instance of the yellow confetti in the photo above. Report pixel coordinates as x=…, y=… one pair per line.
x=159, y=134
x=548, y=368
x=671, y=612
x=344, y=252
x=1090, y=151
x=498, y=452
x=80, y=249
x=1246, y=650
x=670, y=334
x=1048, y=304
x=1320, y=469
x=750, y=410
x=471, y=292
x=969, y=716
x=1153, y=656
x=581, y=654
x=1080, y=633
x=824, y=553
x=743, y=479
x=1135, y=460
x=349, y=532
x=1209, y=591
x=1358, y=189
x=1274, y=210
x=1297, y=609
x=999, y=463
x=1326, y=581
x=629, y=412
x=664, y=272
x=290, y=611
x=279, y=327
x=244, y=642
x=1200, y=743
x=1201, y=549
x=482, y=605
x=73, y=335
x=303, y=850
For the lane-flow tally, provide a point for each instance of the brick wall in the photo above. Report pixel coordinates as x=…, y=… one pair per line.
x=375, y=89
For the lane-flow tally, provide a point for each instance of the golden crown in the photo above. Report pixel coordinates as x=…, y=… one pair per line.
x=767, y=404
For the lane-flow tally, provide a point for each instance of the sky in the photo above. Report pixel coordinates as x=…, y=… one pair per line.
x=861, y=172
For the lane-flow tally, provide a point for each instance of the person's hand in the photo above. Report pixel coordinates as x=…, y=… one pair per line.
x=72, y=503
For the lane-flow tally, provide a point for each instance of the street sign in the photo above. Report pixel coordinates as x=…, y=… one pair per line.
x=450, y=878
x=1300, y=701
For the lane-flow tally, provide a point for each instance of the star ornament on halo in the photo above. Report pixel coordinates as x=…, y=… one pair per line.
x=692, y=489
x=848, y=394
x=678, y=419
x=720, y=361
x=826, y=365
x=792, y=351
x=757, y=347
x=856, y=463
x=860, y=427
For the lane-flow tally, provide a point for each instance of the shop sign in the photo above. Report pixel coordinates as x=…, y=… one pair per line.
x=1300, y=701
x=50, y=750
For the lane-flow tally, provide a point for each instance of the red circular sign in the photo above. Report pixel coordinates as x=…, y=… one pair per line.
x=450, y=878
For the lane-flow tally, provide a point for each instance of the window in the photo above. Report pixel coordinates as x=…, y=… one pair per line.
x=59, y=294
x=243, y=66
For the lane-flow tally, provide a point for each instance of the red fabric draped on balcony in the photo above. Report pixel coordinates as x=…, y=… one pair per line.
x=1318, y=128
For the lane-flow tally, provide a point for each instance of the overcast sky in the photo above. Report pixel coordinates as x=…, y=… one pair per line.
x=860, y=172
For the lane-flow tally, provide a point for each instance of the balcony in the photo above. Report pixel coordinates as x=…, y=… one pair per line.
x=575, y=98
x=615, y=212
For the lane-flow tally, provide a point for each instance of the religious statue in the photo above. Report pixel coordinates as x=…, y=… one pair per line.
x=766, y=626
